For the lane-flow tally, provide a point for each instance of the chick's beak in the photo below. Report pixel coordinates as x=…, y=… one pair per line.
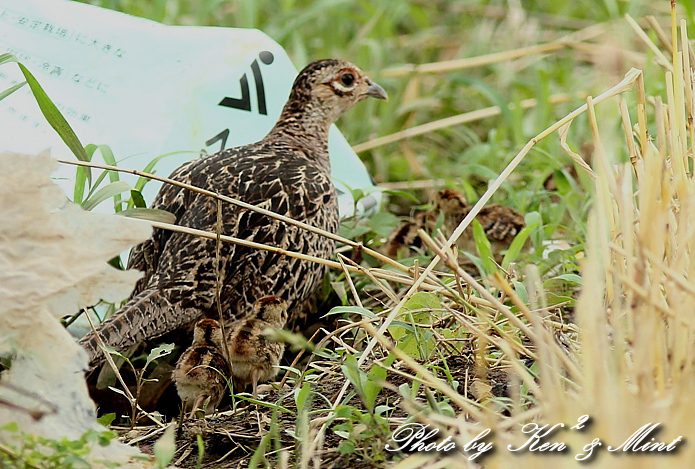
x=375, y=91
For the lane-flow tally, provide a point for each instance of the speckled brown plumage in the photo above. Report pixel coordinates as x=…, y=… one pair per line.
x=288, y=172
x=253, y=357
x=201, y=372
x=405, y=236
x=500, y=223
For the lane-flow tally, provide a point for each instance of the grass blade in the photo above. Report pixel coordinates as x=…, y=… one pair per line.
x=54, y=116
x=104, y=193
x=516, y=246
x=484, y=249
x=11, y=90
x=152, y=214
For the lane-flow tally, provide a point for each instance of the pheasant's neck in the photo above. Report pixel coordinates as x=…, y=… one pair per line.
x=305, y=125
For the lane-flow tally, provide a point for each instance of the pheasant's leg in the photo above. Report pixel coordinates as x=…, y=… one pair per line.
x=198, y=401
x=238, y=385
x=254, y=382
x=182, y=417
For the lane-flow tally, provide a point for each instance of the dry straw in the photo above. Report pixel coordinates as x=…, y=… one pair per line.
x=636, y=363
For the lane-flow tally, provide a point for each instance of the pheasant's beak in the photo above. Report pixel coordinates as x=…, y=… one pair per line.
x=375, y=91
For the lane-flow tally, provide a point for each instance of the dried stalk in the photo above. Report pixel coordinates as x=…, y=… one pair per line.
x=253, y=208
x=452, y=121
x=589, y=32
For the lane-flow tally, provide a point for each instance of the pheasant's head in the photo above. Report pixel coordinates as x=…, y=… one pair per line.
x=271, y=309
x=449, y=201
x=207, y=332
x=323, y=91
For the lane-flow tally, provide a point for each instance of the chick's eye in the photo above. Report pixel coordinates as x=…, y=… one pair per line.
x=347, y=79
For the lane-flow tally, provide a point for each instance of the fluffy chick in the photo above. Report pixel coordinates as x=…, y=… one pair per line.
x=253, y=356
x=405, y=236
x=201, y=372
x=500, y=223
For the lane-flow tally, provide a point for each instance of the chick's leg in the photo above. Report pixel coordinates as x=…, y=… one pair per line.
x=254, y=382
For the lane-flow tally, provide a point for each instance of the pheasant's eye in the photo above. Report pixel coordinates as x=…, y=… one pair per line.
x=347, y=79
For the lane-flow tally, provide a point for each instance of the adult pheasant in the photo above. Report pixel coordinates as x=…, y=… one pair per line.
x=288, y=172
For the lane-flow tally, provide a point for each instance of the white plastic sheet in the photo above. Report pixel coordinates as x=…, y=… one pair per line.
x=52, y=263
x=147, y=89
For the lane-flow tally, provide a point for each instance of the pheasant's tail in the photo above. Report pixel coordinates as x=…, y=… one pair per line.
x=147, y=315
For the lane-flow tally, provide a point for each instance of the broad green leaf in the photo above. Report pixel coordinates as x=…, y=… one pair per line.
x=410, y=340
x=352, y=228
x=106, y=419
x=346, y=447
x=520, y=290
x=357, y=194
x=12, y=427
x=112, y=351
x=351, y=309
x=165, y=447
x=383, y=223
x=372, y=387
x=104, y=193
x=301, y=396
x=137, y=199
x=405, y=391
x=354, y=374
x=158, y=352
x=343, y=411
x=340, y=290
x=562, y=183
x=422, y=300
x=574, y=278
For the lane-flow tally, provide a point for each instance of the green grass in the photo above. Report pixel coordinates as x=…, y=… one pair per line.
x=379, y=36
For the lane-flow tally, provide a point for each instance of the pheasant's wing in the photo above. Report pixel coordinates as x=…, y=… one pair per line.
x=145, y=256
x=181, y=270
x=501, y=223
x=275, y=177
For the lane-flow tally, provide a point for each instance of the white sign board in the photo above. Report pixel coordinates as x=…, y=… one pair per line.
x=147, y=89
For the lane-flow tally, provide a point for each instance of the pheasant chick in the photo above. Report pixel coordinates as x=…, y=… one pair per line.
x=201, y=372
x=500, y=223
x=253, y=356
